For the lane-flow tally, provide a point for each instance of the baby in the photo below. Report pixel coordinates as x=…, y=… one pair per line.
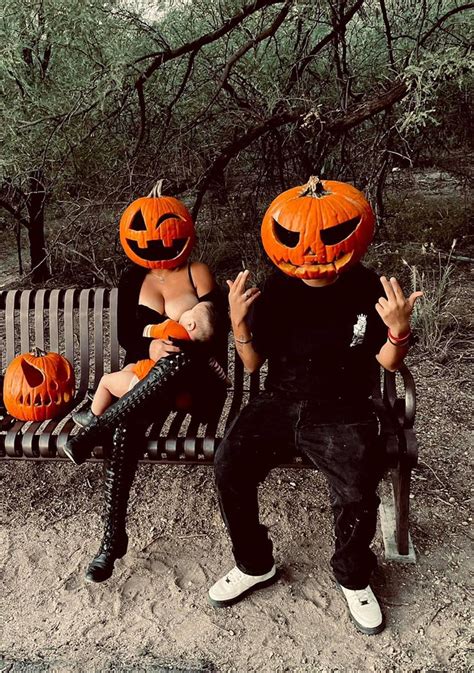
x=195, y=324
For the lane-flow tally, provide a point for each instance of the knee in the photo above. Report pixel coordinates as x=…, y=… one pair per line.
x=355, y=509
x=105, y=380
x=229, y=464
x=222, y=461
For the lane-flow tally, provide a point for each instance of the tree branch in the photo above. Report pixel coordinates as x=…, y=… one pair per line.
x=334, y=123
x=15, y=212
x=162, y=57
x=388, y=33
x=268, y=32
x=142, y=108
x=299, y=67
x=443, y=18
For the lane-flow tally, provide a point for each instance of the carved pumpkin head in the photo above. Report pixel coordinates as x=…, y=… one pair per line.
x=317, y=230
x=38, y=386
x=156, y=231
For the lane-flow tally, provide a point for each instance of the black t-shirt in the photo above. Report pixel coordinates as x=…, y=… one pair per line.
x=320, y=342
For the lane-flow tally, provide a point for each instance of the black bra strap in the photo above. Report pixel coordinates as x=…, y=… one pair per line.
x=191, y=277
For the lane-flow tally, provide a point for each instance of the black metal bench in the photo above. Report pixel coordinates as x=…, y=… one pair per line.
x=81, y=324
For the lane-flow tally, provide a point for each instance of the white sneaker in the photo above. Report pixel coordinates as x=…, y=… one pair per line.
x=236, y=584
x=364, y=610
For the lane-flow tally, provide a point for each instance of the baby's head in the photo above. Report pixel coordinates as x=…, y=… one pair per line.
x=199, y=321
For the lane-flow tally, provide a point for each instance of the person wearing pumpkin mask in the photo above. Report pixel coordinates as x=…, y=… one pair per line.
x=322, y=320
x=157, y=234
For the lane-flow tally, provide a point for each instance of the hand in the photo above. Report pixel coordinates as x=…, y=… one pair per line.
x=161, y=348
x=241, y=299
x=395, y=309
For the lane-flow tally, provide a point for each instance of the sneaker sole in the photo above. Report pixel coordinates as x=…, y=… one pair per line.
x=367, y=630
x=236, y=599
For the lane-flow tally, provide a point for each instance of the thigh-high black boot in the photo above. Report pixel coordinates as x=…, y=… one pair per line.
x=119, y=473
x=156, y=390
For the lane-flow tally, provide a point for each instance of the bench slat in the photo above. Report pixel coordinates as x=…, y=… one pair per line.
x=10, y=325
x=54, y=321
x=99, y=307
x=24, y=320
x=113, y=329
x=39, y=319
x=13, y=440
x=190, y=442
x=84, y=340
x=69, y=324
x=154, y=445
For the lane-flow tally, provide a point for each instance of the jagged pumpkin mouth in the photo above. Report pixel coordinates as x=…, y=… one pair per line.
x=156, y=250
x=318, y=268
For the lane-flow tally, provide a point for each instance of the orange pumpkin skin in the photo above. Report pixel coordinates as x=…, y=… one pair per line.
x=38, y=387
x=157, y=232
x=317, y=230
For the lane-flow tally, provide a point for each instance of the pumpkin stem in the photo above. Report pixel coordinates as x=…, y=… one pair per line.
x=156, y=191
x=314, y=187
x=38, y=352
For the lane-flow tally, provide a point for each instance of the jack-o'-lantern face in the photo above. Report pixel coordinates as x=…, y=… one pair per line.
x=157, y=232
x=318, y=230
x=38, y=386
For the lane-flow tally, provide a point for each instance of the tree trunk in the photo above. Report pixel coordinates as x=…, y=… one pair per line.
x=35, y=204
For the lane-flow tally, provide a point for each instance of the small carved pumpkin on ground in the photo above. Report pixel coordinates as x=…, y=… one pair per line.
x=317, y=230
x=38, y=386
x=157, y=231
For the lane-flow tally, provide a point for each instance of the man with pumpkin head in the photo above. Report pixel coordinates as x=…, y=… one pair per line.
x=322, y=320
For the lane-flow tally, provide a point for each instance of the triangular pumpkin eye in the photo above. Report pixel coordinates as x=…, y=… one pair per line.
x=34, y=377
x=290, y=239
x=336, y=234
x=138, y=223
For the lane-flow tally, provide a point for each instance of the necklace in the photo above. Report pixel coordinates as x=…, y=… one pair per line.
x=161, y=278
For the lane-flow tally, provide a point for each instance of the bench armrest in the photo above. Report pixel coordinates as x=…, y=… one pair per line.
x=403, y=409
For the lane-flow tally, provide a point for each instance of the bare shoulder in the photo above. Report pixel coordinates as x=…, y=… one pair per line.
x=202, y=276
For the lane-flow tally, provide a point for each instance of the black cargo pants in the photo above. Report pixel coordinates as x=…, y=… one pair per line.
x=340, y=438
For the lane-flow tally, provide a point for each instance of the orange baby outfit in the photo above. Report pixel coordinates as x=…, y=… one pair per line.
x=164, y=330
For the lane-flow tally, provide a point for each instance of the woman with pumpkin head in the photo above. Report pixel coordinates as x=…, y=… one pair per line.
x=160, y=296
x=322, y=320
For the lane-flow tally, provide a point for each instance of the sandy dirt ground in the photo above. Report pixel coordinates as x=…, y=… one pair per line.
x=152, y=615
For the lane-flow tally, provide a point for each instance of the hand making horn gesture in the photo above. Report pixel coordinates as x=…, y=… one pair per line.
x=240, y=298
x=395, y=309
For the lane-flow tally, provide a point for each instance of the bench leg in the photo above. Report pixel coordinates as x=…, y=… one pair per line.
x=401, y=490
x=394, y=517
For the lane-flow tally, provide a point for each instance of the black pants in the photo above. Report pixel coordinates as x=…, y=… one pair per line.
x=340, y=439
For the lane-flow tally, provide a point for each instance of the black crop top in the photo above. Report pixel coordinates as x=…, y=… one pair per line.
x=133, y=317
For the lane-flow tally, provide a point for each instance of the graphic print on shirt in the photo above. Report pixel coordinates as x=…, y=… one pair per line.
x=359, y=329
